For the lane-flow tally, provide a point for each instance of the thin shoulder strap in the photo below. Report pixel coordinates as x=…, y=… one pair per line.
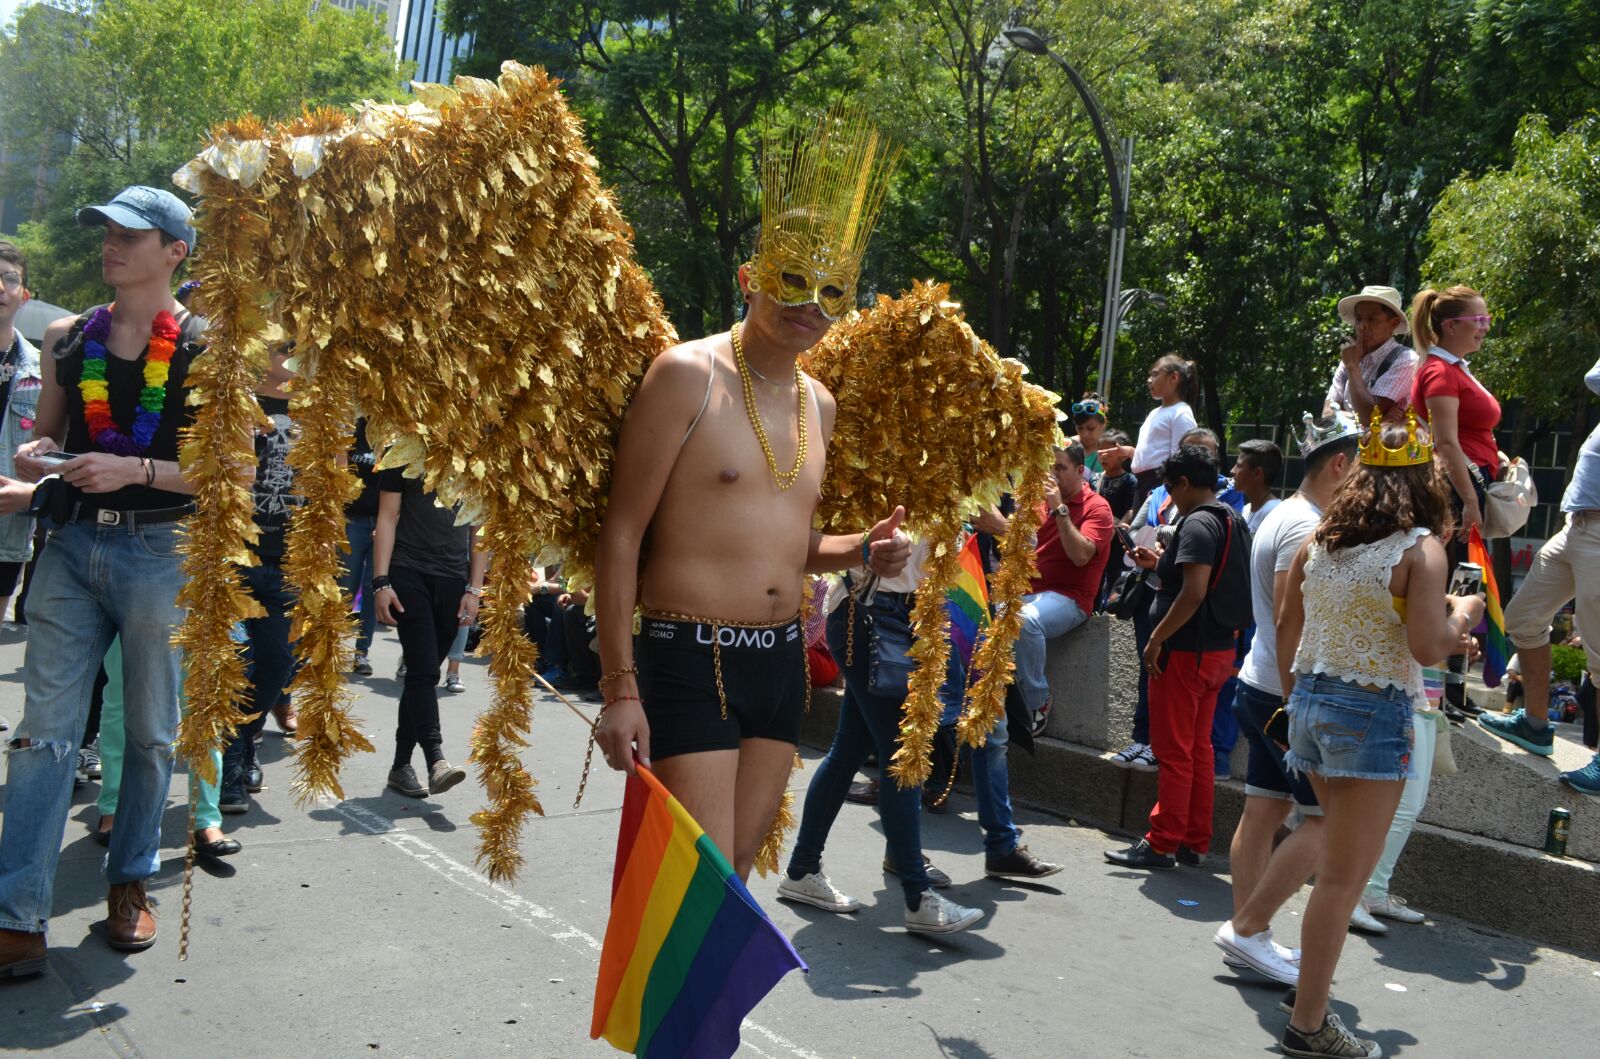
x=711, y=377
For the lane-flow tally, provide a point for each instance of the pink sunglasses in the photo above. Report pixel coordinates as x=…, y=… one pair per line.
x=1482, y=321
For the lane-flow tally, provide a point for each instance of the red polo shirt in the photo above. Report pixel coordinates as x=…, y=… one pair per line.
x=1092, y=515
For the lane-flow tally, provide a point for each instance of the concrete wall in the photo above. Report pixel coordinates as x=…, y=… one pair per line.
x=1477, y=854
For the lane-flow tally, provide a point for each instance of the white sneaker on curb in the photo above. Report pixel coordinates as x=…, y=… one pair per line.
x=1258, y=953
x=1389, y=908
x=1125, y=757
x=940, y=915
x=815, y=890
x=1144, y=760
x=1361, y=919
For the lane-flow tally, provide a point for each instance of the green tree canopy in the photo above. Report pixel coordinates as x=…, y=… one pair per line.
x=121, y=92
x=1528, y=238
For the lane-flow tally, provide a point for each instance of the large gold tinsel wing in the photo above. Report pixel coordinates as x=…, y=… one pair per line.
x=454, y=269
x=931, y=417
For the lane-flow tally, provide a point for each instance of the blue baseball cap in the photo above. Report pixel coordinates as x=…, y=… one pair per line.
x=144, y=208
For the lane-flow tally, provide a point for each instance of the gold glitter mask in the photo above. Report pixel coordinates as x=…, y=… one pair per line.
x=820, y=195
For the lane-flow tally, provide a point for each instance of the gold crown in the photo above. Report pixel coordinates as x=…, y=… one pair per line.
x=1416, y=451
x=820, y=196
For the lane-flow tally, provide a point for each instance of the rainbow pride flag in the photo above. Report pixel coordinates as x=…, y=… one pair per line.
x=688, y=952
x=968, y=604
x=1495, y=652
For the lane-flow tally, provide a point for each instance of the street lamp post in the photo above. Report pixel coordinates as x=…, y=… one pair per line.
x=1119, y=168
x=1133, y=296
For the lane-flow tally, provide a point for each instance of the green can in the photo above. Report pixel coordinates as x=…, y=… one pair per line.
x=1555, y=832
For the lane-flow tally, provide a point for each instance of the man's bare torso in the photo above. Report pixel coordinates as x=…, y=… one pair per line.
x=725, y=542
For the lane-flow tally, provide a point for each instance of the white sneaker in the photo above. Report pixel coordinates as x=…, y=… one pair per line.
x=1389, y=908
x=452, y=683
x=940, y=915
x=1144, y=760
x=1361, y=919
x=1258, y=953
x=1125, y=757
x=815, y=890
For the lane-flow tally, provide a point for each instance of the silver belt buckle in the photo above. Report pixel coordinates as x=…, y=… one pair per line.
x=108, y=518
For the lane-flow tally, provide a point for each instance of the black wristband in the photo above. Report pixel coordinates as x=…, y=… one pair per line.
x=381, y=582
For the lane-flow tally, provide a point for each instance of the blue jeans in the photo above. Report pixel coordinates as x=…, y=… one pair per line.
x=991, y=781
x=271, y=668
x=92, y=583
x=868, y=724
x=358, y=576
x=112, y=741
x=1045, y=615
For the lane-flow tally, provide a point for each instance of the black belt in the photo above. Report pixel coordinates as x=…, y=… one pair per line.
x=132, y=519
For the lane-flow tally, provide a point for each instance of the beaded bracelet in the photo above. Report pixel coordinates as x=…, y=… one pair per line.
x=620, y=698
x=617, y=673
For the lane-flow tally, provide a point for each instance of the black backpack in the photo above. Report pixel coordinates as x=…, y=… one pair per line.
x=1228, y=601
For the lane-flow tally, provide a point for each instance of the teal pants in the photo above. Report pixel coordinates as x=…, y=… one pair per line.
x=206, y=813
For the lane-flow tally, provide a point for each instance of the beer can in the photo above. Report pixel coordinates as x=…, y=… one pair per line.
x=1555, y=832
x=1467, y=581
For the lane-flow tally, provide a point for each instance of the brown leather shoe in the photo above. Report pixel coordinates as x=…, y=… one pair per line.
x=287, y=716
x=21, y=953
x=130, y=921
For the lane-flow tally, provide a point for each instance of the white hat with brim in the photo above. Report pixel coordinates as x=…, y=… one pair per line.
x=1387, y=297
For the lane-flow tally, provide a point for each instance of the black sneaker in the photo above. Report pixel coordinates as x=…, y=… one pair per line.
x=1453, y=715
x=1142, y=855
x=1286, y=1005
x=232, y=799
x=1041, y=720
x=1332, y=1041
x=936, y=878
x=1470, y=707
x=362, y=667
x=255, y=781
x=1189, y=858
x=1018, y=864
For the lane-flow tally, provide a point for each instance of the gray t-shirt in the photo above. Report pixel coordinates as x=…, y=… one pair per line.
x=1282, y=532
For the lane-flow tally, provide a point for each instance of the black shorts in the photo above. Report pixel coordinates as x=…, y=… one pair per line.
x=762, y=692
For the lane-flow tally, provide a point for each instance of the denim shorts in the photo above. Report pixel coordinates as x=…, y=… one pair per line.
x=1340, y=729
x=1265, y=775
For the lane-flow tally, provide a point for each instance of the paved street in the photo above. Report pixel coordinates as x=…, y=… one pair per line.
x=361, y=928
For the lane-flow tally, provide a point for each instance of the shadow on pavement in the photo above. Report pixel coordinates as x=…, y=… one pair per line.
x=53, y=1009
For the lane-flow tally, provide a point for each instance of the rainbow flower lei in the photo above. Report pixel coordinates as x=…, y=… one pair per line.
x=97, y=395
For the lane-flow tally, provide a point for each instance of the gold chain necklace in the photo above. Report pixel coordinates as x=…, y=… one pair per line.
x=784, y=479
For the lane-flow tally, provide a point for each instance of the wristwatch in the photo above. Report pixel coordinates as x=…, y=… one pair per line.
x=1062, y=511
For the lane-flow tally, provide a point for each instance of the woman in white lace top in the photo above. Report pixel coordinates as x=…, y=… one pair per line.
x=1365, y=607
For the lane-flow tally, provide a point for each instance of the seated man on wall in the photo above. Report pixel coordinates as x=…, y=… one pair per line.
x=1074, y=541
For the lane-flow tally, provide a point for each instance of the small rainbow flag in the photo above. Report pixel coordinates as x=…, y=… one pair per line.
x=968, y=603
x=1495, y=651
x=688, y=952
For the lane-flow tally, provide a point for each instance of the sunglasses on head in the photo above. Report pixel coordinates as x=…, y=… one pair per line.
x=1090, y=408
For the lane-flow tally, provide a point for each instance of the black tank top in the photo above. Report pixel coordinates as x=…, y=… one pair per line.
x=124, y=378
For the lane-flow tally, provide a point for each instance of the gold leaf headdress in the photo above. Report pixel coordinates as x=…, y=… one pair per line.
x=820, y=196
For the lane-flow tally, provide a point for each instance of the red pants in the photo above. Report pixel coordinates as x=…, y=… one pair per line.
x=1182, y=700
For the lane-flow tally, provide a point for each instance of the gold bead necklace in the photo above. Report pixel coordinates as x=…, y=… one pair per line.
x=784, y=478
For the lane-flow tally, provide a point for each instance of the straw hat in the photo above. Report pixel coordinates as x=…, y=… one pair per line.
x=1385, y=296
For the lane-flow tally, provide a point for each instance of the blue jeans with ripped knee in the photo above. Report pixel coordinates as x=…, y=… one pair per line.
x=92, y=583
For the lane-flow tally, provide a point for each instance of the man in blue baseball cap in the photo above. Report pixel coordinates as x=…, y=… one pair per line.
x=112, y=406
x=141, y=209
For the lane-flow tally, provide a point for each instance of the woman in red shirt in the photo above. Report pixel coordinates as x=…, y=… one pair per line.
x=1449, y=326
